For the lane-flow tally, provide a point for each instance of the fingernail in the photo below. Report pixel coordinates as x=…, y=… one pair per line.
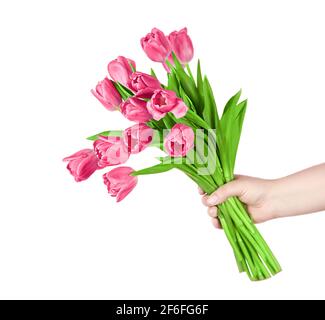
x=213, y=200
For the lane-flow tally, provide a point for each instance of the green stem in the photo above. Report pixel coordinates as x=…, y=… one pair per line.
x=263, y=271
x=247, y=256
x=242, y=215
x=238, y=256
x=258, y=245
x=270, y=256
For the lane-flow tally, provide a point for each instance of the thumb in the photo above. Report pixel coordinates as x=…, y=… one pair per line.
x=231, y=189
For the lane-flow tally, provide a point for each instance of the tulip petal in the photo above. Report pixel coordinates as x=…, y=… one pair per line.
x=180, y=110
x=124, y=192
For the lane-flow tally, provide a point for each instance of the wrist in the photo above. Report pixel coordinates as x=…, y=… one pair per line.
x=276, y=199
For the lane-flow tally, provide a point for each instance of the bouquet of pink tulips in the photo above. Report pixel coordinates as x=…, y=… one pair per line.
x=181, y=118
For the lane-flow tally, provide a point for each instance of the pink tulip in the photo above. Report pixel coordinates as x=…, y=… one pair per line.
x=107, y=94
x=141, y=81
x=164, y=101
x=82, y=164
x=138, y=137
x=135, y=109
x=110, y=151
x=179, y=141
x=182, y=45
x=156, y=45
x=119, y=182
x=120, y=70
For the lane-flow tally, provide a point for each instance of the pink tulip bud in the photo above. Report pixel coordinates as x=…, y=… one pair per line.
x=138, y=137
x=107, y=94
x=119, y=183
x=120, y=70
x=141, y=81
x=182, y=45
x=82, y=164
x=110, y=151
x=156, y=45
x=179, y=141
x=135, y=109
x=164, y=101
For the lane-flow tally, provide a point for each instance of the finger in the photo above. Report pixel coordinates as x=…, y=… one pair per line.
x=216, y=223
x=201, y=192
x=231, y=189
x=212, y=212
x=205, y=200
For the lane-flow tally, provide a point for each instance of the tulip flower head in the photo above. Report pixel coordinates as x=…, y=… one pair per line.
x=142, y=81
x=179, y=141
x=181, y=45
x=119, y=182
x=156, y=45
x=138, y=137
x=164, y=101
x=120, y=70
x=82, y=164
x=110, y=151
x=135, y=109
x=107, y=94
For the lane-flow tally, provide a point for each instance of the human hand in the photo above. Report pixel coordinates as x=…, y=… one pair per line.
x=300, y=193
x=256, y=193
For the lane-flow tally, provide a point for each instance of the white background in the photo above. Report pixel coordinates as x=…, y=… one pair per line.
x=60, y=239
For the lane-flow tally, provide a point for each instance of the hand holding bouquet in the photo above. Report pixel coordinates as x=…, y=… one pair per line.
x=181, y=118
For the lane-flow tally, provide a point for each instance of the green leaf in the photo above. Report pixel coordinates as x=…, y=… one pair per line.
x=192, y=173
x=159, y=168
x=132, y=67
x=127, y=90
x=197, y=120
x=231, y=103
x=123, y=91
x=231, y=124
x=168, y=121
x=181, y=120
x=238, y=124
x=152, y=72
x=173, y=83
x=210, y=113
x=199, y=81
x=189, y=170
x=189, y=71
x=176, y=161
x=163, y=159
x=199, y=78
x=186, y=98
x=110, y=133
x=187, y=83
x=158, y=140
x=156, y=125
x=169, y=65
